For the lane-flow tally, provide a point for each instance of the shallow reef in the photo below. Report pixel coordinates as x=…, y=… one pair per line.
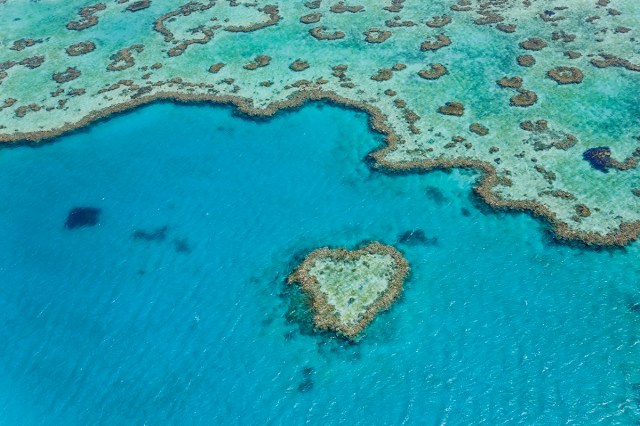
x=79, y=217
x=158, y=234
x=347, y=288
x=424, y=72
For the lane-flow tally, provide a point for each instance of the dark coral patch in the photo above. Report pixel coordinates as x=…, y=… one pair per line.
x=158, y=234
x=81, y=48
x=452, y=108
x=376, y=35
x=526, y=60
x=434, y=72
x=71, y=73
x=416, y=237
x=435, y=195
x=181, y=245
x=512, y=83
x=299, y=65
x=599, y=158
x=524, y=98
x=533, y=43
x=440, y=41
x=566, y=75
x=139, y=5
x=306, y=385
x=79, y=217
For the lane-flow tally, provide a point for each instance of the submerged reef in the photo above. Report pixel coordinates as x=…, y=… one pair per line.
x=79, y=217
x=424, y=72
x=600, y=159
x=347, y=288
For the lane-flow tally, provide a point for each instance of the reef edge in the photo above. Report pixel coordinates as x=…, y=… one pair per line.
x=626, y=233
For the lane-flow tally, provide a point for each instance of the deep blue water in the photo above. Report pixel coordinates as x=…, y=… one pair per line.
x=497, y=324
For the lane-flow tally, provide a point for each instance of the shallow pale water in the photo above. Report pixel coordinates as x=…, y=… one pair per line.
x=497, y=323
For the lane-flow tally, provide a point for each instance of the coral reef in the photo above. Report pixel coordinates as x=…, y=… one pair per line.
x=81, y=48
x=139, y=5
x=440, y=42
x=67, y=75
x=89, y=18
x=299, y=65
x=80, y=217
x=320, y=34
x=349, y=288
x=215, y=68
x=524, y=98
x=123, y=59
x=438, y=21
x=566, y=75
x=452, y=108
x=478, y=129
x=434, y=72
x=386, y=59
x=376, y=35
x=258, y=62
x=533, y=43
x=526, y=61
x=512, y=83
x=23, y=43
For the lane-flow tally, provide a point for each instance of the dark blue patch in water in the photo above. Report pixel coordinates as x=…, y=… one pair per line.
x=306, y=385
x=159, y=234
x=435, y=195
x=181, y=245
x=79, y=217
x=599, y=157
x=416, y=237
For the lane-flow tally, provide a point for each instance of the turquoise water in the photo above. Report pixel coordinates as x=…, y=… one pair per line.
x=498, y=323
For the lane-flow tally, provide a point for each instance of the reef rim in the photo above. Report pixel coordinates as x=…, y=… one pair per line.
x=626, y=233
x=325, y=317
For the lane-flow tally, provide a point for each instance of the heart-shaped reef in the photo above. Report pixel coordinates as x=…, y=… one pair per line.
x=348, y=288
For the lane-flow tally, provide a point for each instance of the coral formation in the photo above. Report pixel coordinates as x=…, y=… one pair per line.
x=89, y=18
x=320, y=34
x=513, y=82
x=139, y=5
x=299, y=65
x=201, y=51
x=434, y=72
x=566, y=75
x=80, y=217
x=376, y=35
x=452, y=108
x=258, y=62
x=533, y=43
x=526, y=60
x=66, y=75
x=438, y=21
x=524, y=98
x=440, y=42
x=349, y=288
x=81, y=48
x=478, y=129
x=123, y=59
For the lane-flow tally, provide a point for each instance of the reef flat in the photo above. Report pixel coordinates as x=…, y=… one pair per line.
x=349, y=288
x=522, y=90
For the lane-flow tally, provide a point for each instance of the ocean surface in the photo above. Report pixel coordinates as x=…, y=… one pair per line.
x=174, y=309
